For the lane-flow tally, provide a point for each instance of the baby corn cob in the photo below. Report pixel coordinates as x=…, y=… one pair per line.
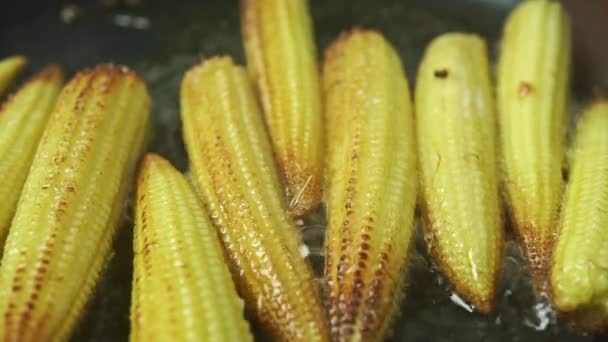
x=22, y=121
x=281, y=58
x=533, y=75
x=371, y=184
x=456, y=129
x=182, y=288
x=233, y=170
x=71, y=203
x=579, y=277
x=9, y=69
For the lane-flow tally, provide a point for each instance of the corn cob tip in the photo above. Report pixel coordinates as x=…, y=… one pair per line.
x=204, y=69
x=483, y=301
x=9, y=70
x=337, y=46
x=17, y=59
x=455, y=38
x=208, y=65
x=148, y=162
x=151, y=159
x=109, y=69
x=18, y=62
x=537, y=248
x=51, y=73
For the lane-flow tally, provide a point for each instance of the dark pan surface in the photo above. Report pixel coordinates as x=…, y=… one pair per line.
x=161, y=39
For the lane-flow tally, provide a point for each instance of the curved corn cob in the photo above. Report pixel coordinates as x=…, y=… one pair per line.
x=579, y=277
x=10, y=67
x=233, y=170
x=371, y=184
x=456, y=128
x=281, y=58
x=71, y=202
x=22, y=121
x=533, y=78
x=182, y=288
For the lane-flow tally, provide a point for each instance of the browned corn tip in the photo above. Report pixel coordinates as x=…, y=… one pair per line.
x=286, y=78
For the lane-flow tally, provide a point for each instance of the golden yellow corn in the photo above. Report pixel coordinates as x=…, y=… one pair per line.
x=282, y=61
x=579, y=274
x=371, y=184
x=533, y=75
x=182, y=288
x=22, y=121
x=456, y=129
x=10, y=67
x=233, y=170
x=71, y=203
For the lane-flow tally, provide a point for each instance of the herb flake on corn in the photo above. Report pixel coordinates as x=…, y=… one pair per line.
x=22, y=120
x=182, y=288
x=71, y=203
x=233, y=170
x=579, y=277
x=371, y=184
x=282, y=61
x=533, y=74
x=10, y=67
x=456, y=129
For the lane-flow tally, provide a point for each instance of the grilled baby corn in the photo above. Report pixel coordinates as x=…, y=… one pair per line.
x=371, y=184
x=281, y=58
x=71, y=202
x=182, y=288
x=456, y=129
x=533, y=78
x=9, y=69
x=232, y=168
x=579, y=276
x=22, y=120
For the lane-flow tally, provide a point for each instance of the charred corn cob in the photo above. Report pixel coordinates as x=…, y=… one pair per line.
x=182, y=288
x=71, y=203
x=233, y=170
x=22, y=121
x=9, y=69
x=456, y=129
x=579, y=277
x=281, y=58
x=371, y=184
x=533, y=75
